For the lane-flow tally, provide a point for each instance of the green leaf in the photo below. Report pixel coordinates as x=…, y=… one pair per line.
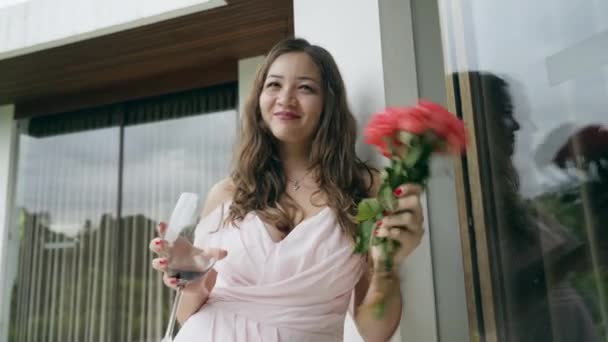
x=398, y=168
x=399, y=174
x=389, y=171
x=379, y=216
x=386, y=197
x=368, y=209
x=413, y=155
x=363, y=236
x=384, y=175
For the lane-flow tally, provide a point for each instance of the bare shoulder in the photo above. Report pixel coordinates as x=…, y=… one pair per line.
x=373, y=183
x=221, y=192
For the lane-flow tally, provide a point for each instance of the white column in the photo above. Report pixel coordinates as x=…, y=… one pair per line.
x=448, y=269
x=372, y=42
x=247, y=70
x=7, y=165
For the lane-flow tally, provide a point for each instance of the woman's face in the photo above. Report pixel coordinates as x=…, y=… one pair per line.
x=291, y=100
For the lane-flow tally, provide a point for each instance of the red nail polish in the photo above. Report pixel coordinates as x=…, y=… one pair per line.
x=162, y=262
x=379, y=223
x=375, y=232
x=158, y=242
x=398, y=192
x=173, y=281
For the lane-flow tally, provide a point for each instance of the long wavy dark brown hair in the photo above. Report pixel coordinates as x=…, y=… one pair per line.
x=258, y=173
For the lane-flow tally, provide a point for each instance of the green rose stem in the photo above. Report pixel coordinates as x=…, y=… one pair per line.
x=411, y=165
x=408, y=136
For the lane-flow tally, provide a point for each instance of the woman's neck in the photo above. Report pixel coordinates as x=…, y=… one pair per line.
x=295, y=158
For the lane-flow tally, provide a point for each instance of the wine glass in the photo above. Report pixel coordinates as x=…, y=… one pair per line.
x=185, y=262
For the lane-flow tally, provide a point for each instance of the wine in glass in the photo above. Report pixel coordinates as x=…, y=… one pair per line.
x=186, y=262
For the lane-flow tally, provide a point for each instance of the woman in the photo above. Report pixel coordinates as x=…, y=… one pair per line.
x=287, y=270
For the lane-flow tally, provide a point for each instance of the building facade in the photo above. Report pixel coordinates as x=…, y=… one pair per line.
x=109, y=110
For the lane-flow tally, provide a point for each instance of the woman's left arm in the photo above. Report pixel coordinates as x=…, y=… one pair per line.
x=405, y=225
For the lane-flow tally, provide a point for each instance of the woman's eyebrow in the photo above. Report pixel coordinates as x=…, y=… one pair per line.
x=306, y=78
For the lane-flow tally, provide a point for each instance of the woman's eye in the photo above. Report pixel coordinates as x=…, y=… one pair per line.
x=272, y=85
x=307, y=88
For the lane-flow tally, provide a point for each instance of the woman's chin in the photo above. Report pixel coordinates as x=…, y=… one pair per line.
x=288, y=140
x=289, y=136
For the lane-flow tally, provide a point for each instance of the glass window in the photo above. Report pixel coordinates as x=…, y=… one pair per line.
x=531, y=78
x=91, y=189
x=162, y=160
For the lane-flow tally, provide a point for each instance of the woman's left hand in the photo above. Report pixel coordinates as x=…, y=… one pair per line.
x=405, y=224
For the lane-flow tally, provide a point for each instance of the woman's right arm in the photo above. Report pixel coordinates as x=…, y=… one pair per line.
x=195, y=294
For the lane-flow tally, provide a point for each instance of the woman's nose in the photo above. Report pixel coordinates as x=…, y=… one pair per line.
x=286, y=97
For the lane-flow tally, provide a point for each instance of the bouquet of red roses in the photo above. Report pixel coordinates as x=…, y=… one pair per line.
x=408, y=136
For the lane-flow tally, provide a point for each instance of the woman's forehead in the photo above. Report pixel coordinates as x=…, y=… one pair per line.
x=296, y=65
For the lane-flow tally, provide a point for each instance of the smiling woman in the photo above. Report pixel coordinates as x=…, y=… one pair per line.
x=286, y=268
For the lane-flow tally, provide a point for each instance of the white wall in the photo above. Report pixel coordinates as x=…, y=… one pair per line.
x=7, y=149
x=354, y=42
x=31, y=25
x=372, y=43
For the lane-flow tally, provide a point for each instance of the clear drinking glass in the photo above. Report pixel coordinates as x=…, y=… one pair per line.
x=186, y=262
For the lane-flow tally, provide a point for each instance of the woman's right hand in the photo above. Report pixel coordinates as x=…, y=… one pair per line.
x=199, y=286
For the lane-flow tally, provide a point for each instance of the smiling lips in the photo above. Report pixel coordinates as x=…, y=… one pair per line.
x=286, y=115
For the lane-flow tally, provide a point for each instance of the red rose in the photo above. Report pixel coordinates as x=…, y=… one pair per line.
x=445, y=125
x=411, y=119
x=384, y=127
x=381, y=129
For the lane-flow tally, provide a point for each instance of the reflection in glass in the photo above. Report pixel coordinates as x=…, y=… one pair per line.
x=542, y=140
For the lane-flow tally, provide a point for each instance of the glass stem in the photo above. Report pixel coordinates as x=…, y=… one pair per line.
x=171, y=325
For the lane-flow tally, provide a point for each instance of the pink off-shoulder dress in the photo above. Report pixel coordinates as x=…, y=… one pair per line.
x=295, y=290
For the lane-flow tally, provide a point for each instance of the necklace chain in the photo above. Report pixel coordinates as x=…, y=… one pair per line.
x=296, y=183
